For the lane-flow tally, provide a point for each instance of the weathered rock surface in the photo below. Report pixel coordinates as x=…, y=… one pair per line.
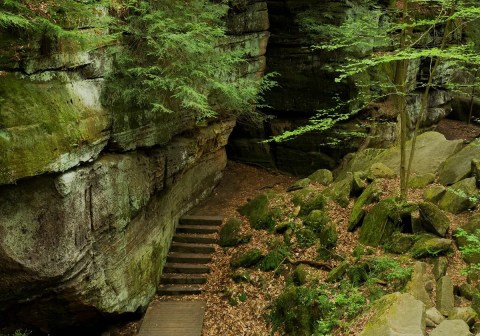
x=430, y=246
x=450, y=328
x=433, y=219
x=371, y=194
x=379, y=223
x=94, y=238
x=444, y=298
x=396, y=314
x=470, y=228
x=460, y=197
x=458, y=166
x=416, y=286
x=440, y=267
x=322, y=176
x=466, y=314
x=434, y=316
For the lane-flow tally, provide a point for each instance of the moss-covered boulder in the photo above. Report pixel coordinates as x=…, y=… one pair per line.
x=399, y=243
x=339, y=191
x=308, y=199
x=299, y=184
x=434, y=193
x=430, y=246
x=248, y=258
x=274, y=258
x=322, y=176
x=316, y=221
x=328, y=235
x=460, y=197
x=297, y=315
x=305, y=237
x=258, y=212
x=299, y=275
x=458, y=166
x=395, y=314
x=380, y=170
x=230, y=233
x=338, y=272
x=467, y=314
x=370, y=195
x=380, y=222
x=416, y=285
x=433, y=219
x=421, y=181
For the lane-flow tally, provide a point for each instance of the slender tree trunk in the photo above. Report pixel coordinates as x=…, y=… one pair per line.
x=400, y=101
x=426, y=94
x=472, y=96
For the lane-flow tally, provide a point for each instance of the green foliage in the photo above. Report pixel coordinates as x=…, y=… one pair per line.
x=275, y=258
x=178, y=58
x=371, y=39
x=316, y=311
x=56, y=25
x=390, y=271
x=471, y=248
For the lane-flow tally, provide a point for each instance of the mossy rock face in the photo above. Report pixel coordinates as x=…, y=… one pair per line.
x=421, y=181
x=433, y=219
x=274, y=259
x=371, y=194
x=248, y=259
x=380, y=170
x=230, y=233
x=259, y=213
x=339, y=191
x=300, y=184
x=49, y=124
x=338, y=272
x=359, y=183
x=458, y=166
x=316, y=202
x=460, y=197
x=399, y=243
x=434, y=193
x=381, y=221
x=316, y=221
x=470, y=228
x=430, y=246
x=301, y=196
x=361, y=161
x=322, y=176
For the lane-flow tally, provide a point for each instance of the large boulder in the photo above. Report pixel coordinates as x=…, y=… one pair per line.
x=460, y=197
x=93, y=240
x=444, y=296
x=340, y=190
x=450, y=328
x=380, y=222
x=416, y=286
x=322, y=176
x=433, y=219
x=396, y=314
x=458, y=166
x=430, y=246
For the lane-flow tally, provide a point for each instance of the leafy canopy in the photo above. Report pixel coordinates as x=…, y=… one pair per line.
x=178, y=57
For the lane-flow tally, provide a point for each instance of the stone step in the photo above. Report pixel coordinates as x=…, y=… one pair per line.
x=192, y=258
x=185, y=268
x=179, y=290
x=192, y=248
x=194, y=238
x=203, y=229
x=175, y=278
x=201, y=220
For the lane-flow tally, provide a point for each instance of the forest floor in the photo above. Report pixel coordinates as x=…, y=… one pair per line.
x=241, y=308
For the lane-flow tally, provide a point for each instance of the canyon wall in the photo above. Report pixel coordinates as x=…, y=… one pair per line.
x=90, y=195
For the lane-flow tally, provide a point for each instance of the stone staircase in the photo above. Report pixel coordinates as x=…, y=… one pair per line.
x=186, y=268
